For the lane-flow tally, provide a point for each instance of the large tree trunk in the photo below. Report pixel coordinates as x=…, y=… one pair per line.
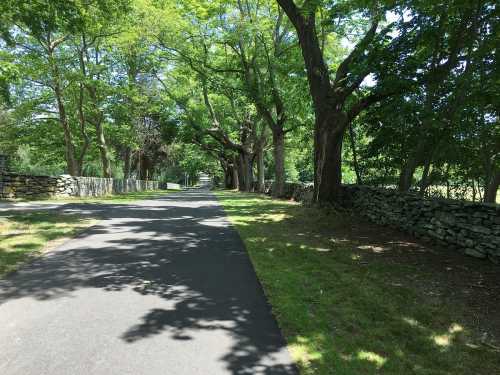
x=260, y=171
x=490, y=191
x=330, y=120
x=279, y=162
x=246, y=175
x=328, y=166
x=329, y=97
x=328, y=157
x=228, y=176
x=407, y=172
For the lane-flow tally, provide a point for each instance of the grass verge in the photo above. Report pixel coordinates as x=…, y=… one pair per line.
x=339, y=315
x=124, y=198
x=27, y=234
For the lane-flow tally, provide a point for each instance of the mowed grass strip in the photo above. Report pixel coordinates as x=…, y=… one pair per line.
x=27, y=234
x=339, y=315
x=124, y=198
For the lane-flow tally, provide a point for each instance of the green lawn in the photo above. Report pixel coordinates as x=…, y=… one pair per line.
x=26, y=234
x=339, y=315
x=116, y=198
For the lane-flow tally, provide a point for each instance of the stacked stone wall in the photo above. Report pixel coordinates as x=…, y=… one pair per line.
x=471, y=228
x=20, y=186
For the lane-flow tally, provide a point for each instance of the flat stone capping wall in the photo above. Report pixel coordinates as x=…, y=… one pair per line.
x=471, y=228
x=19, y=186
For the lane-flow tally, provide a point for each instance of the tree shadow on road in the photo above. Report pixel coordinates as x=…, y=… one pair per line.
x=181, y=250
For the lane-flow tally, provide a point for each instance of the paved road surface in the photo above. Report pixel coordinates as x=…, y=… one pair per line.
x=161, y=286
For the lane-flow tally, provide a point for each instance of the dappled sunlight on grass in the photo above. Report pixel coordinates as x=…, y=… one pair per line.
x=305, y=352
x=375, y=249
x=339, y=313
x=446, y=339
x=23, y=235
x=378, y=360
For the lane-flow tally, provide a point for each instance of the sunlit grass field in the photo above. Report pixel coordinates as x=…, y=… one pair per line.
x=343, y=317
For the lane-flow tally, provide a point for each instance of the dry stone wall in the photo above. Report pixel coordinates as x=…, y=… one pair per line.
x=19, y=186
x=471, y=228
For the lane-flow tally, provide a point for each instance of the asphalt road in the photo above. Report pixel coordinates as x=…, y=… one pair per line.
x=162, y=286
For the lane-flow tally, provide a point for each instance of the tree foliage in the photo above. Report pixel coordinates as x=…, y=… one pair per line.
x=393, y=93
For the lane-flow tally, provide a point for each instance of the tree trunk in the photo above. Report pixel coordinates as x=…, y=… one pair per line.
x=357, y=170
x=236, y=174
x=447, y=176
x=279, y=162
x=103, y=149
x=69, y=148
x=424, y=182
x=329, y=99
x=83, y=131
x=98, y=115
x=490, y=191
x=143, y=166
x=228, y=173
x=63, y=120
x=328, y=159
x=228, y=176
x=101, y=139
x=127, y=163
x=479, y=190
x=260, y=171
x=407, y=172
x=246, y=175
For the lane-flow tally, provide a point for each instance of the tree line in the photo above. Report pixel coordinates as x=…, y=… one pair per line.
x=393, y=93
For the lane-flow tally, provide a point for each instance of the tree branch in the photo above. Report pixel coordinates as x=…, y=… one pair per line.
x=367, y=101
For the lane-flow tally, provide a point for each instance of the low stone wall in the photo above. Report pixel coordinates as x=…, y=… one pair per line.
x=300, y=192
x=471, y=228
x=25, y=186
x=19, y=186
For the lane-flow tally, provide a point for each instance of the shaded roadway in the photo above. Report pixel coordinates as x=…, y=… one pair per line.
x=161, y=286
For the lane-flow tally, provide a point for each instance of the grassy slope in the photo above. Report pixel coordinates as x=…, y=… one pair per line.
x=338, y=315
